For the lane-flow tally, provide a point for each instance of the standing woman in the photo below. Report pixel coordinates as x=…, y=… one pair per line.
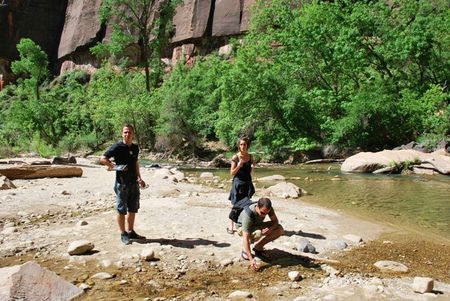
x=241, y=168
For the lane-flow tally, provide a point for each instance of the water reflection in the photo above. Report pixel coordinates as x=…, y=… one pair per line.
x=412, y=201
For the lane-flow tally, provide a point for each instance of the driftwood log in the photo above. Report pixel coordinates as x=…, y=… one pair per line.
x=43, y=171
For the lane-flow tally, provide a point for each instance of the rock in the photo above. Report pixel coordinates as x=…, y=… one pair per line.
x=339, y=244
x=148, y=254
x=272, y=178
x=240, y=295
x=80, y=247
x=84, y=286
x=6, y=183
x=227, y=14
x=32, y=282
x=206, y=175
x=423, y=285
x=220, y=161
x=391, y=266
x=226, y=262
x=82, y=223
x=306, y=246
x=353, y=238
x=226, y=50
x=64, y=161
x=9, y=230
x=106, y=263
x=102, y=275
x=81, y=26
x=284, y=190
x=369, y=162
x=294, y=275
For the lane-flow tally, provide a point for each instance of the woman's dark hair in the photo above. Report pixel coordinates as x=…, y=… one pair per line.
x=245, y=139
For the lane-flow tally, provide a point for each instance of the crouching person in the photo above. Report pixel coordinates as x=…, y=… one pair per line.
x=250, y=221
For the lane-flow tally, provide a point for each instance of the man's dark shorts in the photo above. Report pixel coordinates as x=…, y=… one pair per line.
x=127, y=197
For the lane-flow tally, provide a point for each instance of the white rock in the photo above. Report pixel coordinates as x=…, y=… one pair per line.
x=206, y=175
x=294, y=275
x=84, y=286
x=353, y=238
x=423, y=285
x=226, y=262
x=329, y=297
x=82, y=223
x=391, y=266
x=102, y=275
x=79, y=247
x=106, y=263
x=148, y=254
x=239, y=294
x=9, y=230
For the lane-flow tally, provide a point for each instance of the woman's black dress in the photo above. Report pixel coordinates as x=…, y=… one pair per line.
x=242, y=185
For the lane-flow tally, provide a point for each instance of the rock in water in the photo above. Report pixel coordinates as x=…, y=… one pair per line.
x=30, y=281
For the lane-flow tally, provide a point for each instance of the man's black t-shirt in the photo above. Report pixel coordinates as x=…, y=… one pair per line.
x=124, y=155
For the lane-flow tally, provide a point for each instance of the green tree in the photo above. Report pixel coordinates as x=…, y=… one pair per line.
x=145, y=23
x=33, y=63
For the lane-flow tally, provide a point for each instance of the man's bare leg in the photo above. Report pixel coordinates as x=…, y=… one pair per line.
x=130, y=219
x=121, y=222
x=274, y=234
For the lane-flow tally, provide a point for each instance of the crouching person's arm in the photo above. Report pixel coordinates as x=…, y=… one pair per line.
x=246, y=243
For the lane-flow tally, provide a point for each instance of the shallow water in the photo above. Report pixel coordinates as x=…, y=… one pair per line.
x=414, y=202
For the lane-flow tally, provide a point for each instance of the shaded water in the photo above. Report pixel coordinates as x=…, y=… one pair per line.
x=416, y=202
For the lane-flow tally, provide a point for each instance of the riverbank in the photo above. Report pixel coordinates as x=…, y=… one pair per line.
x=195, y=258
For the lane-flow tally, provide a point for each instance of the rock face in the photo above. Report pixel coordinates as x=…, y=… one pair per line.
x=40, y=20
x=67, y=29
x=81, y=26
x=32, y=282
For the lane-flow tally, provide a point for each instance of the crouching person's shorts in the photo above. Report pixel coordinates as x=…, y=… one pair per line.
x=127, y=197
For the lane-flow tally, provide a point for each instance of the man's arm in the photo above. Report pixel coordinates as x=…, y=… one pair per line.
x=246, y=245
x=138, y=174
x=106, y=161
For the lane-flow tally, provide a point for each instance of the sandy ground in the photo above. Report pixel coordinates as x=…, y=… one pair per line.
x=184, y=223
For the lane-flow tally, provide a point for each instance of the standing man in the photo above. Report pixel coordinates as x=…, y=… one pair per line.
x=252, y=219
x=128, y=180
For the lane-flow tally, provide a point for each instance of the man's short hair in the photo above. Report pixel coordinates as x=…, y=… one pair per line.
x=128, y=125
x=265, y=203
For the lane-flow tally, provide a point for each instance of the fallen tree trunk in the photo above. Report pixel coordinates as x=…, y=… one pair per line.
x=37, y=172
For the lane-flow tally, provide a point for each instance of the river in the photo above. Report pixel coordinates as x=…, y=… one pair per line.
x=416, y=203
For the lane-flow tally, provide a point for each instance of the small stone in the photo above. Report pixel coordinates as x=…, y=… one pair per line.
x=353, y=238
x=226, y=262
x=294, y=275
x=82, y=223
x=79, y=247
x=239, y=295
x=391, y=266
x=102, y=275
x=84, y=286
x=148, y=254
x=306, y=246
x=423, y=285
x=9, y=231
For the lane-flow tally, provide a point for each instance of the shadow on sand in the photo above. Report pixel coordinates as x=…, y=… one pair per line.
x=304, y=234
x=188, y=243
x=285, y=259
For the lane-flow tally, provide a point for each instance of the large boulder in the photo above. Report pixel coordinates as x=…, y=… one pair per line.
x=190, y=20
x=368, y=162
x=30, y=281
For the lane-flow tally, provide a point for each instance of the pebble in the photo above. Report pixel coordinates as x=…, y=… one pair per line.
x=294, y=275
x=102, y=275
x=239, y=294
x=391, y=266
x=423, y=285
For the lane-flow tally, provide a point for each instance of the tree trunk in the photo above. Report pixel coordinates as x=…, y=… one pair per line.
x=37, y=172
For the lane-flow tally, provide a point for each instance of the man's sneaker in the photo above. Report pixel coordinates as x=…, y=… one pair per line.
x=134, y=235
x=124, y=237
